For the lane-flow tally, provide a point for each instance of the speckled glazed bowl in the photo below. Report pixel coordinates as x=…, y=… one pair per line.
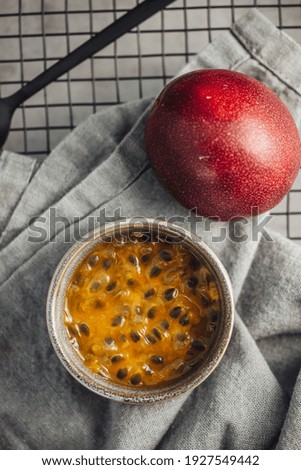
x=95, y=382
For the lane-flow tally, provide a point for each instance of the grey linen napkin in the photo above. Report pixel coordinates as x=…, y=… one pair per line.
x=252, y=400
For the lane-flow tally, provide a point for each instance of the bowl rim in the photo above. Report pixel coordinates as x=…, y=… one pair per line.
x=72, y=361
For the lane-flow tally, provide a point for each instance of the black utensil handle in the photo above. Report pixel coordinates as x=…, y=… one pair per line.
x=121, y=26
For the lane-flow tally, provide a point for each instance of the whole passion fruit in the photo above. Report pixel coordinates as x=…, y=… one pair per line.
x=223, y=143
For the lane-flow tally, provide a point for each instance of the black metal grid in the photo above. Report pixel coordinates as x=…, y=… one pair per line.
x=36, y=33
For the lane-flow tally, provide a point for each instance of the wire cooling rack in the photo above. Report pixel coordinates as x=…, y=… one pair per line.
x=36, y=33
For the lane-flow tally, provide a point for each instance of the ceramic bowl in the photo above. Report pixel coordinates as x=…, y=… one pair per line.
x=72, y=361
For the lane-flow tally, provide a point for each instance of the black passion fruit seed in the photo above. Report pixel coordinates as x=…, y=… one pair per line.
x=116, y=358
x=175, y=312
x=117, y=321
x=157, y=333
x=151, y=313
x=79, y=279
x=109, y=341
x=122, y=373
x=198, y=345
x=151, y=339
x=145, y=258
x=72, y=330
x=93, y=260
x=164, y=324
x=214, y=316
x=133, y=260
x=149, y=293
x=84, y=329
x=181, y=337
x=184, y=320
x=135, y=336
x=192, y=282
x=189, y=353
x=98, y=304
x=95, y=286
x=155, y=271
x=194, y=263
x=111, y=286
x=170, y=294
x=135, y=379
x=206, y=301
x=165, y=255
x=106, y=263
x=157, y=359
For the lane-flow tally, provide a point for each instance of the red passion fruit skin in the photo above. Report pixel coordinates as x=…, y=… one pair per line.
x=223, y=143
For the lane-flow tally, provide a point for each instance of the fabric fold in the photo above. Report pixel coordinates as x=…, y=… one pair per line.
x=109, y=178
x=226, y=412
x=78, y=155
x=290, y=434
x=260, y=37
x=15, y=174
